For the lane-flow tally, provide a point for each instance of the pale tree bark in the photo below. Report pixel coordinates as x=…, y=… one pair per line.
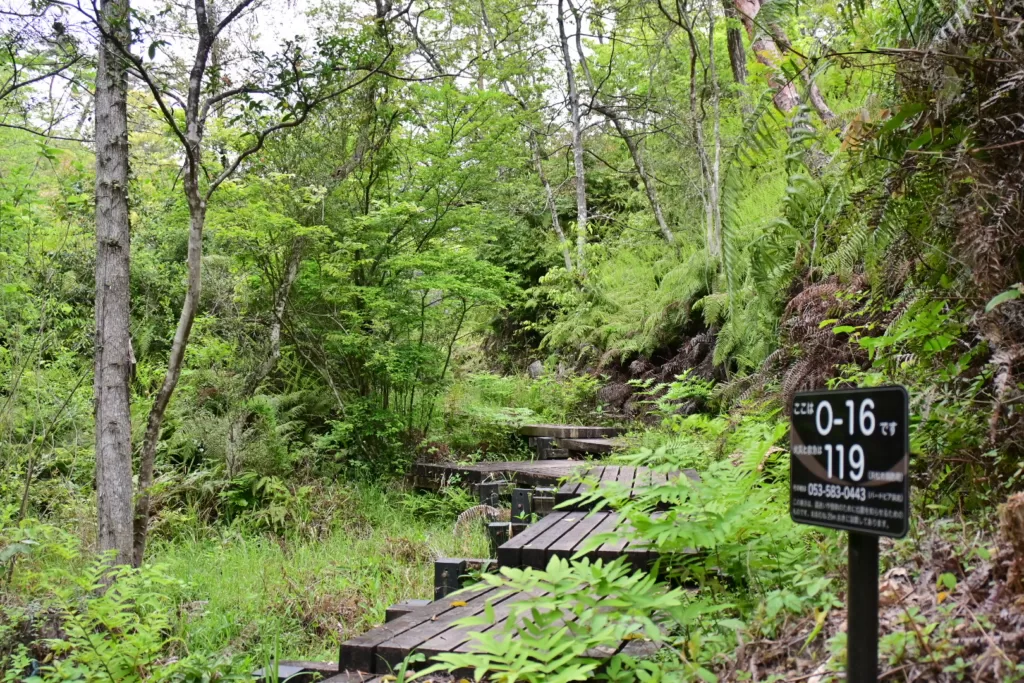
x=549, y=198
x=767, y=53
x=715, y=185
x=768, y=45
x=709, y=165
x=113, y=345
x=635, y=152
x=196, y=200
x=237, y=428
x=536, y=150
x=577, y=144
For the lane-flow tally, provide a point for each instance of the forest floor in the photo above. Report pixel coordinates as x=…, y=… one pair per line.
x=946, y=612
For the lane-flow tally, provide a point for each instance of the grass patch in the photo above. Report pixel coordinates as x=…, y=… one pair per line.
x=257, y=595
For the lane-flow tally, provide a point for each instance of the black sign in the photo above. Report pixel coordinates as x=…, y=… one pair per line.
x=850, y=453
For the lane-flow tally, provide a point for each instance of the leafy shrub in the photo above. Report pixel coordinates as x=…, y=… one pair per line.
x=88, y=622
x=445, y=505
x=483, y=410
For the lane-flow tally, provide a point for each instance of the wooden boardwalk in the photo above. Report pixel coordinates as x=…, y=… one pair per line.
x=593, y=446
x=431, y=631
x=632, y=479
x=569, y=431
x=528, y=473
x=563, y=534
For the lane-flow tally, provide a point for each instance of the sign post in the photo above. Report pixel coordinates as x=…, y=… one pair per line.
x=849, y=463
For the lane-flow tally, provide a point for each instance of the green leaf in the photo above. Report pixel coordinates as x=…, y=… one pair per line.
x=998, y=299
x=21, y=548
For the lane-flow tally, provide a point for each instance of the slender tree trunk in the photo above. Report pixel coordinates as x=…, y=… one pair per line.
x=112, y=351
x=636, y=155
x=634, y=149
x=193, y=286
x=714, y=190
x=549, y=198
x=535, y=148
x=577, y=144
x=263, y=370
x=708, y=174
x=197, y=208
x=737, y=53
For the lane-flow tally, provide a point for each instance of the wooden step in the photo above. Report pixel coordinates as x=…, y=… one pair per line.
x=570, y=431
x=595, y=446
x=429, y=475
x=431, y=631
x=402, y=608
x=563, y=534
x=634, y=479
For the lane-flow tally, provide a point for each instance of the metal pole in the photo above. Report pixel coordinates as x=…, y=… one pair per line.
x=862, y=610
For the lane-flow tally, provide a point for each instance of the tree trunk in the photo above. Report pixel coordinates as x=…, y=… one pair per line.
x=197, y=207
x=768, y=46
x=766, y=52
x=631, y=144
x=737, y=53
x=716, y=162
x=708, y=170
x=577, y=144
x=263, y=370
x=112, y=351
x=549, y=198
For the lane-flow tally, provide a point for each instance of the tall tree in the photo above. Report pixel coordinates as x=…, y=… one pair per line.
x=734, y=39
x=577, y=142
x=273, y=94
x=685, y=17
x=632, y=144
x=113, y=355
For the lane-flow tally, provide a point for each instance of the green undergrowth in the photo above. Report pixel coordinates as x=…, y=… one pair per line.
x=225, y=601
x=739, y=587
x=483, y=411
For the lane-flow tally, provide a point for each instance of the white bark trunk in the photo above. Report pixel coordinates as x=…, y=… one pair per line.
x=549, y=198
x=577, y=144
x=263, y=370
x=635, y=152
x=113, y=346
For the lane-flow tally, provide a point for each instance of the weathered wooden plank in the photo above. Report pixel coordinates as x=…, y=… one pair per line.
x=402, y=608
x=501, y=615
x=357, y=654
x=613, y=549
x=564, y=546
x=297, y=671
x=627, y=474
x=390, y=653
x=608, y=474
x=566, y=492
x=596, y=446
x=350, y=677
x=534, y=553
x=569, y=431
x=607, y=525
x=509, y=553
x=449, y=640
